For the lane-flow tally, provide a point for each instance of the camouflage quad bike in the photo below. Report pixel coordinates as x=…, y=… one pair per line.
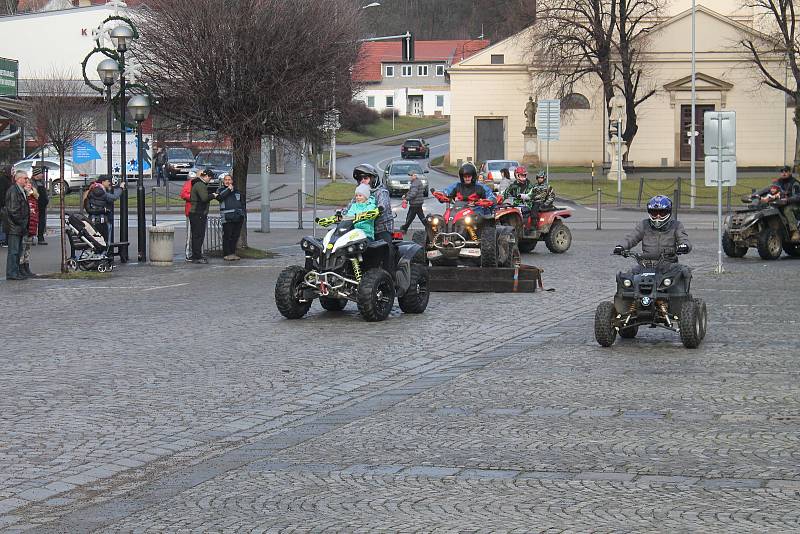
x=761, y=226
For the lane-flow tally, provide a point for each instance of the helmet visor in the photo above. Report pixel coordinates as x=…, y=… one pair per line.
x=659, y=214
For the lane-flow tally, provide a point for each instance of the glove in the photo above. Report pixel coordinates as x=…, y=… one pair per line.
x=404, y=203
x=683, y=248
x=484, y=203
x=441, y=197
x=525, y=196
x=473, y=197
x=618, y=250
x=782, y=202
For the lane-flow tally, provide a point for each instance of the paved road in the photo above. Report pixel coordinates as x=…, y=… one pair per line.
x=178, y=399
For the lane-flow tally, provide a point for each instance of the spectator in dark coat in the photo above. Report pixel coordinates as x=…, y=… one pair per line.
x=5, y=183
x=15, y=222
x=414, y=199
x=231, y=209
x=37, y=177
x=198, y=214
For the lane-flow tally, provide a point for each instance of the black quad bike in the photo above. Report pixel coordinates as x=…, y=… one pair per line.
x=463, y=235
x=345, y=266
x=761, y=226
x=655, y=293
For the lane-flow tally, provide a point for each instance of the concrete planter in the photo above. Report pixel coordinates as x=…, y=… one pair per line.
x=160, y=243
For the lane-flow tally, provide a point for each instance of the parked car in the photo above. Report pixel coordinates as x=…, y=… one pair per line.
x=178, y=161
x=489, y=172
x=70, y=181
x=397, y=179
x=219, y=161
x=415, y=148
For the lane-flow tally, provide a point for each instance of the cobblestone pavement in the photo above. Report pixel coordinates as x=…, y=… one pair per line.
x=179, y=399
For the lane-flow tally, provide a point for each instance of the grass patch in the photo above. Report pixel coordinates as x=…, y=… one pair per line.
x=77, y=275
x=440, y=165
x=250, y=253
x=335, y=193
x=581, y=190
x=383, y=128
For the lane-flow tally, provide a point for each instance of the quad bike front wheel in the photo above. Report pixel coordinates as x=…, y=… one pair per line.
x=691, y=324
x=730, y=248
x=769, y=244
x=604, y=331
x=332, y=304
x=489, y=251
x=559, y=238
x=703, y=311
x=375, y=296
x=527, y=246
x=288, y=290
x=416, y=298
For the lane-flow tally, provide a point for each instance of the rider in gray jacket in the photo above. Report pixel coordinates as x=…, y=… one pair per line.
x=659, y=233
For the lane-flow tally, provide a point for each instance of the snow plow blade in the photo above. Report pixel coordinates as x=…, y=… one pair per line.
x=523, y=279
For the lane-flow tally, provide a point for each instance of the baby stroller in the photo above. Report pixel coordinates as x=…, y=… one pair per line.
x=88, y=249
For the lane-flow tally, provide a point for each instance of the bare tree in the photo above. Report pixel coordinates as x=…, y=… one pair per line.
x=778, y=47
x=579, y=41
x=249, y=68
x=61, y=112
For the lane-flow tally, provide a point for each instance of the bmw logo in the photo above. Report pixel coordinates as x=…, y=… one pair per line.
x=645, y=301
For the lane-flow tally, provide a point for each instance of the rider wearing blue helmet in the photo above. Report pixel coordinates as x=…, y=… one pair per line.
x=659, y=234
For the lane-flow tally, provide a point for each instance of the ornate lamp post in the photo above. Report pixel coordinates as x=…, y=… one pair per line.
x=108, y=70
x=121, y=36
x=139, y=109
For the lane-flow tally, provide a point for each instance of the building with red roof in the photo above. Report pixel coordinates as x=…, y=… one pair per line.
x=418, y=87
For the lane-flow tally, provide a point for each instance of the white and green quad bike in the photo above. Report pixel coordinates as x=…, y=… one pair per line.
x=347, y=266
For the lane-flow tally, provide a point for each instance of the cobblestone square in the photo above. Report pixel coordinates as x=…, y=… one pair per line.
x=178, y=399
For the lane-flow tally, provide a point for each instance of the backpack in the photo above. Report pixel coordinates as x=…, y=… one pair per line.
x=186, y=191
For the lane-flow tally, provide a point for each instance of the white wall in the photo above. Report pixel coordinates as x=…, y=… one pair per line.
x=429, y=106
x=53, y=40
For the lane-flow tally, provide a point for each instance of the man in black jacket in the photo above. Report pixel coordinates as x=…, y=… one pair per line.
x=198, y=213
x=15, y=223
x=5, y=183
x=38, y=181
x=414, y=198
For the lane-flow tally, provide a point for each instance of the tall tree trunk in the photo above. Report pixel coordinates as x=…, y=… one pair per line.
x=241, y=162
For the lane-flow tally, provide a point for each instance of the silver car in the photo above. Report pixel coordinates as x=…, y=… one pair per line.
x=70, y=179
x=490, y=173
x=397, y=179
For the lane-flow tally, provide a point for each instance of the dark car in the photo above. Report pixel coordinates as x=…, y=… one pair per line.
x=415, y=148
x=397, y=179
x=219, y=161
x=178, y=162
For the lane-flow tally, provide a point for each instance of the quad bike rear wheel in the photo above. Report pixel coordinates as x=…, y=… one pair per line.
x=769, y=244
x=690, y=325
x=375, y=296
x=416, y=298
x=489, y=251
x=420, y=237
x=332, y=304
x=288, y=290
x=559, y=238
x=629, y=332
x=604, y=331
x=527, y=246
x=507, y=251
x=730, y=248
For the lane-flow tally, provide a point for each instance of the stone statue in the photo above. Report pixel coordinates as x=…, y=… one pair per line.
x=530, y=115
x=616, y=108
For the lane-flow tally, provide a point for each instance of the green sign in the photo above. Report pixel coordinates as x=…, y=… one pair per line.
x=9, y=71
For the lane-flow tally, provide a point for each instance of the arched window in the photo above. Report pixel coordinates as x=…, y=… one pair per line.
x=574, y=101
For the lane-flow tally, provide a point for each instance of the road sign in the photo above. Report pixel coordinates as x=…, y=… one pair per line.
x=9, y=72
x=548, y=119
x=720, y=133
x=728, y=171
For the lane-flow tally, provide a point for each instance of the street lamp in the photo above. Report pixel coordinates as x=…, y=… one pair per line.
x=122, y=36
x=139, y=109
x=108, y=70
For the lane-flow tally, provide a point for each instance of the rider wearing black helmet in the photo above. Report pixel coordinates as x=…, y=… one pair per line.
x=384, y=224
x=467, y=188
x=789, y=201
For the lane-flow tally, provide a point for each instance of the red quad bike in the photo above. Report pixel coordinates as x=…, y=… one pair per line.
x=462, y=235
x=549, y=227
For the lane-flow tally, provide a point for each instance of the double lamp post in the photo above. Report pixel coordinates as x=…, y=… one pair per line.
x=112, y=70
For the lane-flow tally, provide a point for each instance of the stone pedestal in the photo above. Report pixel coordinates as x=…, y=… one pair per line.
x=531, y=146
x=614, y=148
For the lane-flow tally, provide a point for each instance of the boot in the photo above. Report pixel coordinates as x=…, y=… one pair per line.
x=25, y=270
x=794, y=235
x=42, y=241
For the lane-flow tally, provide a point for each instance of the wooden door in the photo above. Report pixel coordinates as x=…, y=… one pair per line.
x=686, y=126
x=490, y=140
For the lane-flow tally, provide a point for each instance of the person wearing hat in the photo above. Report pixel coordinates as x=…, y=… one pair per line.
x=200, y=198
x=16, y=216
x=100, y=205
x=789, y=201
x=43, y=200
x=363, y=201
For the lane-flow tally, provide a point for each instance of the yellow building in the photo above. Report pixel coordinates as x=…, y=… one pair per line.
x=489, y=92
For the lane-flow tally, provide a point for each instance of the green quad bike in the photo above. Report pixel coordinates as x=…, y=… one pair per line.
x=346, y=266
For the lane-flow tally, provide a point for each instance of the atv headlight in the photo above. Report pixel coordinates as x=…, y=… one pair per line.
x=667, y=282
x=435, y=221
x=627, y=283
x=305, y=244
x=467, y=220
